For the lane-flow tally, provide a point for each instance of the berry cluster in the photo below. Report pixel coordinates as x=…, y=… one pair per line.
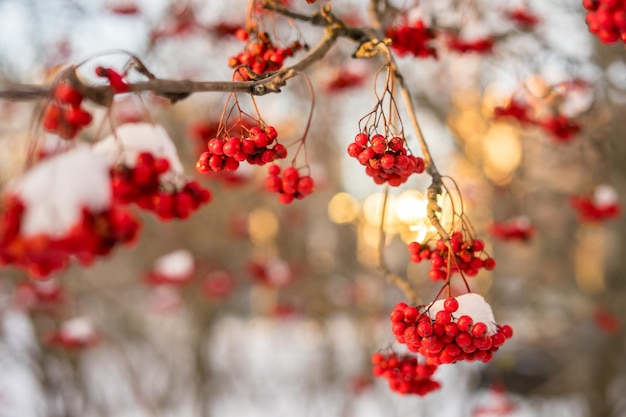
x=261, y=56
x=345, y=79
x=64, y=114
x=561, y=127
x=524, y=18
x=606, y=19
x=141, y=184
x=602, y=205
x=404, y=374
x=94, y=235
x=480, y=45
x=226, y=154
x=75, y=334
x=469, y=257
x=290, y=186
x=387, y=161
x=443, y=337
x=218, y=285
x=517, y=228
x=39, y=295
x=413, y=39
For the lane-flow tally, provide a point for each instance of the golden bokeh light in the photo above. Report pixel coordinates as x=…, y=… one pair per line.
x=262, y=225
x=343, y=208
x=502, y=151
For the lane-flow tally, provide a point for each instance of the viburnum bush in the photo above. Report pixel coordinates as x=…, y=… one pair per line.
x=92, y=178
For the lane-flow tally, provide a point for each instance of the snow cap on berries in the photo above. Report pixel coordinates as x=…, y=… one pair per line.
x=604, y=196
x=175, y=265
x=57, y=189
x=131, y=139
x=78, y=329
x=473, y=305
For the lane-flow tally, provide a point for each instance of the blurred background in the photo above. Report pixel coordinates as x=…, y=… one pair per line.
x=281, y=306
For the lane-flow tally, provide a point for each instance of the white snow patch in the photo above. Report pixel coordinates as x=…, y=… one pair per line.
x=132, y=139
x=605, y=195
x=176, y=265
x=473, y=305
x=78, y=328
x=56, y=190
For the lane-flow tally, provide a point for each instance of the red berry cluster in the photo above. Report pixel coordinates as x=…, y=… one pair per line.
x=261, y=56
x=446, y=339
x=64, y=115
x=387, y=161
x=404, y=374
x=606, y=19
x=480, y=46
x=226, y=154
x=39, y=295
x=344, y=79
x=291, y=186
x=523, y=18
x=141, y=185
x=591, y=211
x=469, y=257
x=94, y=235
x=561, y=127
x=517, y=228
x=69, y=337
x=413, y=39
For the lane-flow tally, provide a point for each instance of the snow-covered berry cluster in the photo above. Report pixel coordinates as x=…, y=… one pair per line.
x=74, y=334
x=385, y=160
x=450, y=330
x=456, y=43
x=602, y=205
x=516, y=228
x=175, y=269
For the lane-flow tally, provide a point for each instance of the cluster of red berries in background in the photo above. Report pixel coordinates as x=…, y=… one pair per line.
x=606, y=19
x=94, y=235
x=516, y=228
x=64, y=115
x=74, y=334
x=404, y=373
x=256, y=149
x=524, y=18
x=141, y=185
x=261, y=55
x=387, y=161
x=39, y=295
x=561, y=127
x=345, y=78
x=468, y=257
x=290, y=186
x=456, y=43
x=412, y=39
x=597, y=207
x=446, y=338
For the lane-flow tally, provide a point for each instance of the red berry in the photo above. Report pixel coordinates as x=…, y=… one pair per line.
x=451, y=305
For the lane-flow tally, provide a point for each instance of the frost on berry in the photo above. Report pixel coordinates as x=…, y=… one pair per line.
x=176, y=268
x=146, y=170
x=386, y=160
x=404, y=374
x=602, y=205
x=42, y=230
x=469, y=333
